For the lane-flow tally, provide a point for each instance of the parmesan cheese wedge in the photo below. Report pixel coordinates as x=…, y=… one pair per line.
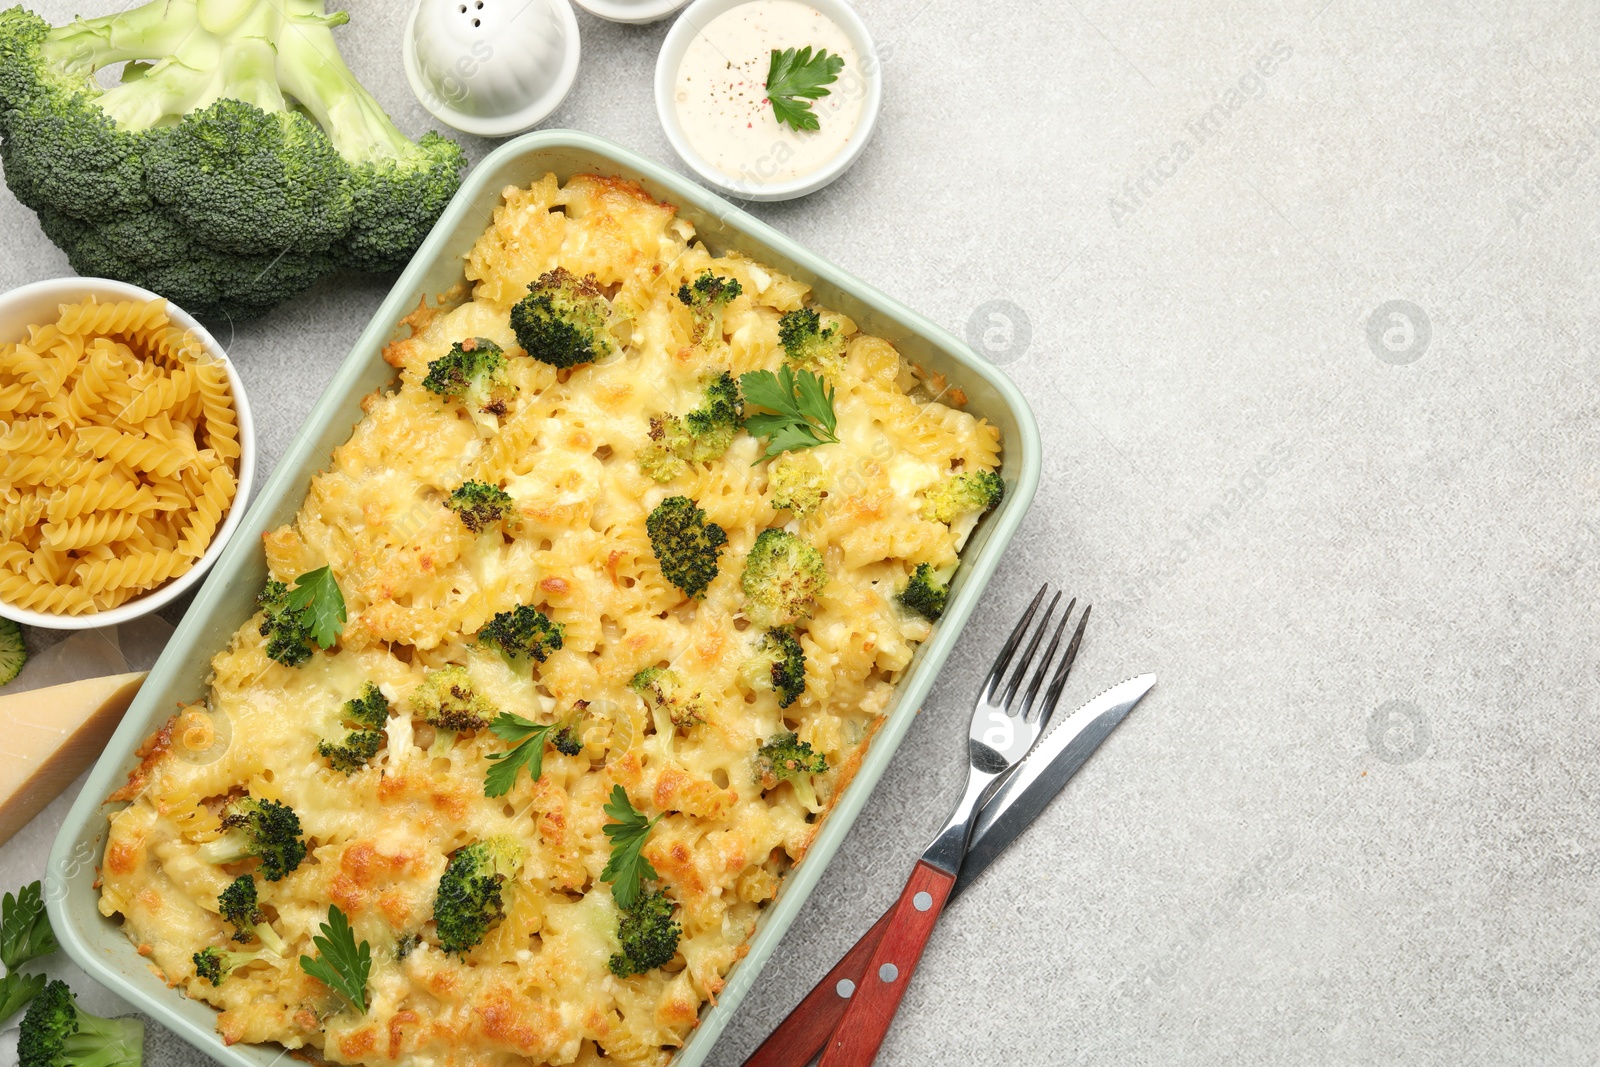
x=51, y=735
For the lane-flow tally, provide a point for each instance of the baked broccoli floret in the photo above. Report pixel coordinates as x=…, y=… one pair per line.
x=214, y=964
x=926, y=592
x=663, y=689
x=698, y=437
x=479, y=504
x=522, y=634
x=265, y=829
x=569, y=739
x=447, y=701
x=962, y=493
x=287, y=629
x=782, y=576
x=369, y=714
x=468, y=901
x=685, y=544
x=798, y=480
x=13, y=651
x=58, y=1033
x=786, y=758
x=808, y=343
x=779, y=664
x=648, y=936
x=472, y=373
x=707, y=297
x=564, y=320
x=240, y=906
x=405, y=945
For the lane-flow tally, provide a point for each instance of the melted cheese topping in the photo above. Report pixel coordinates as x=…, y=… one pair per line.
x=418, y=585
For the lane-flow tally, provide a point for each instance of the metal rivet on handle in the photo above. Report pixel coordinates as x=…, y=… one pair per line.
x=845, y=988
x=922, y=901
x=888, y=972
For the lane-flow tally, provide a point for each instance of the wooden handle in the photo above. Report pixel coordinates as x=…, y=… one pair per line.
x=801, y=1035
x=870, y=1011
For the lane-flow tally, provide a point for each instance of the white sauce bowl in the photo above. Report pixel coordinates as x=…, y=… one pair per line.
x=689, y=25
x=631, y=12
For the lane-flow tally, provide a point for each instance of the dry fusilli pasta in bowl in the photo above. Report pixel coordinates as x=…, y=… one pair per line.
x=126, y=452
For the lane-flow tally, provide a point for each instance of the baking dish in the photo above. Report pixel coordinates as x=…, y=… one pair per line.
x=98, y=945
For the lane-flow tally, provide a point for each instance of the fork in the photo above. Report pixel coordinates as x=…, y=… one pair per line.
x=1005, y=724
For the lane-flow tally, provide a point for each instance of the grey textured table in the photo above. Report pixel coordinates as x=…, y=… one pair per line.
x=1355, y=822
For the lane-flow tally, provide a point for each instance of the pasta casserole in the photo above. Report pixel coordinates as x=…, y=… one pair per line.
x=560, y=664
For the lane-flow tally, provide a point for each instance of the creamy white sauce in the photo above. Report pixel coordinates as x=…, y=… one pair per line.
x=721, y=93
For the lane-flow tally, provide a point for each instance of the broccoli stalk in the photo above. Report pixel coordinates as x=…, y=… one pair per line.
x=479, y=505
x=698, y=437
x=779, y=664
x=927, y=591
x=782, y=576
x=238, y=161
x=685, y=544
x=786, y=758
x=962, y=494
x=647, y=935
x=523, y=635
x=473, y=374
x=58, y=1033
x=706, y=298
x=448, y=702
x=564, y=320
x=468, y=901
x=810, y=344
x=369, y=713
x=214, y=964
x=264, y=829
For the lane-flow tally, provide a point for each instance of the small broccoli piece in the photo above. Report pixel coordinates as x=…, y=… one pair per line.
x=370, y=714
x=648, y=936
x=782, y=576
x=564, y=320
x=926, y=592
x=472, y=373
x=779, y=664
x=798, y=481
x=707, y=297
x=962, y=493
x=265, y=829
x=685, y=544
x=810, y=344
x=786, y=758
x=214, y=964
x=448, y=702
x=405, y=945
x=479, y=504
x=287, y=630
x=240, y=906
x=522, y=634
x=698, y=437
x=58, y=1033
x=468, y=901
x=663, y=689
x=13, y=652
x=568, y=740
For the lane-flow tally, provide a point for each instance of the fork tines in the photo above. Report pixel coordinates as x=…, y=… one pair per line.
x=1007, y=698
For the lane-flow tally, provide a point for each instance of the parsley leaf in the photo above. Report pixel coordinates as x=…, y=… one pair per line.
x=803, y=405
x=317, y=594
x=16, y=989
x=25, y=932
x=794, y=79
x=342, y=966
x=530, y=753
x=627, y=870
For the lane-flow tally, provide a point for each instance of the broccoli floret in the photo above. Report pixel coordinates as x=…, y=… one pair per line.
x=782, y=576
x=265, y=829
x=405, y=945
x=786, y=758
x=568, y=740
x=468, y=901
x=707, y=297
x=238, y=151
x=663, y=689
x=472, y=373
x=522, y=634
x=564, y=320
x=798, y=481
x=370, y=714
x=479, y=504
x=287, y=630
x=962, y=493
x=698, y=437
x=58, y=1033
x=214, y=964
x=648, y=936
x=448, y=702
x=810, y=344
x=685, y=544
x=926, y=592
x=779, y=664
x=13, y=652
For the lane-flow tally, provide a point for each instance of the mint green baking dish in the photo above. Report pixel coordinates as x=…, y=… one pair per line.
x=98, y=945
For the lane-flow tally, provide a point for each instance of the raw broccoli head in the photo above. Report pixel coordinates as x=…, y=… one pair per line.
x=468, y=901
x=786, y=758
x=564, y=319
x=707, y=297
x=370, y=714
x=287, y=630
x=926, y=592
x=702, y=435
x=685, y=544
x=810, y=344
x=479, y=504
x=664, y=689
x=782, y=576
x=214, y=964
x=239, y=151
x=447, y=700
x=264, y=829
x=798, y=480
x=779, y=664
x=962, y=493
x=472, y=373
x=648, y=936
x=58, y=1033
x=522, y=634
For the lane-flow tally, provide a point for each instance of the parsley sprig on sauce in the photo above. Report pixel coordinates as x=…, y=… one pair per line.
x=797, y=77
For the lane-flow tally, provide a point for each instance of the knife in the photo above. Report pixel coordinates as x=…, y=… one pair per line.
x=1018, y=800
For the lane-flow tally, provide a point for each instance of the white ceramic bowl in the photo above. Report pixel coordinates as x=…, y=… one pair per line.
x=695, y=17
x=37, y=303
x=631, y=12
